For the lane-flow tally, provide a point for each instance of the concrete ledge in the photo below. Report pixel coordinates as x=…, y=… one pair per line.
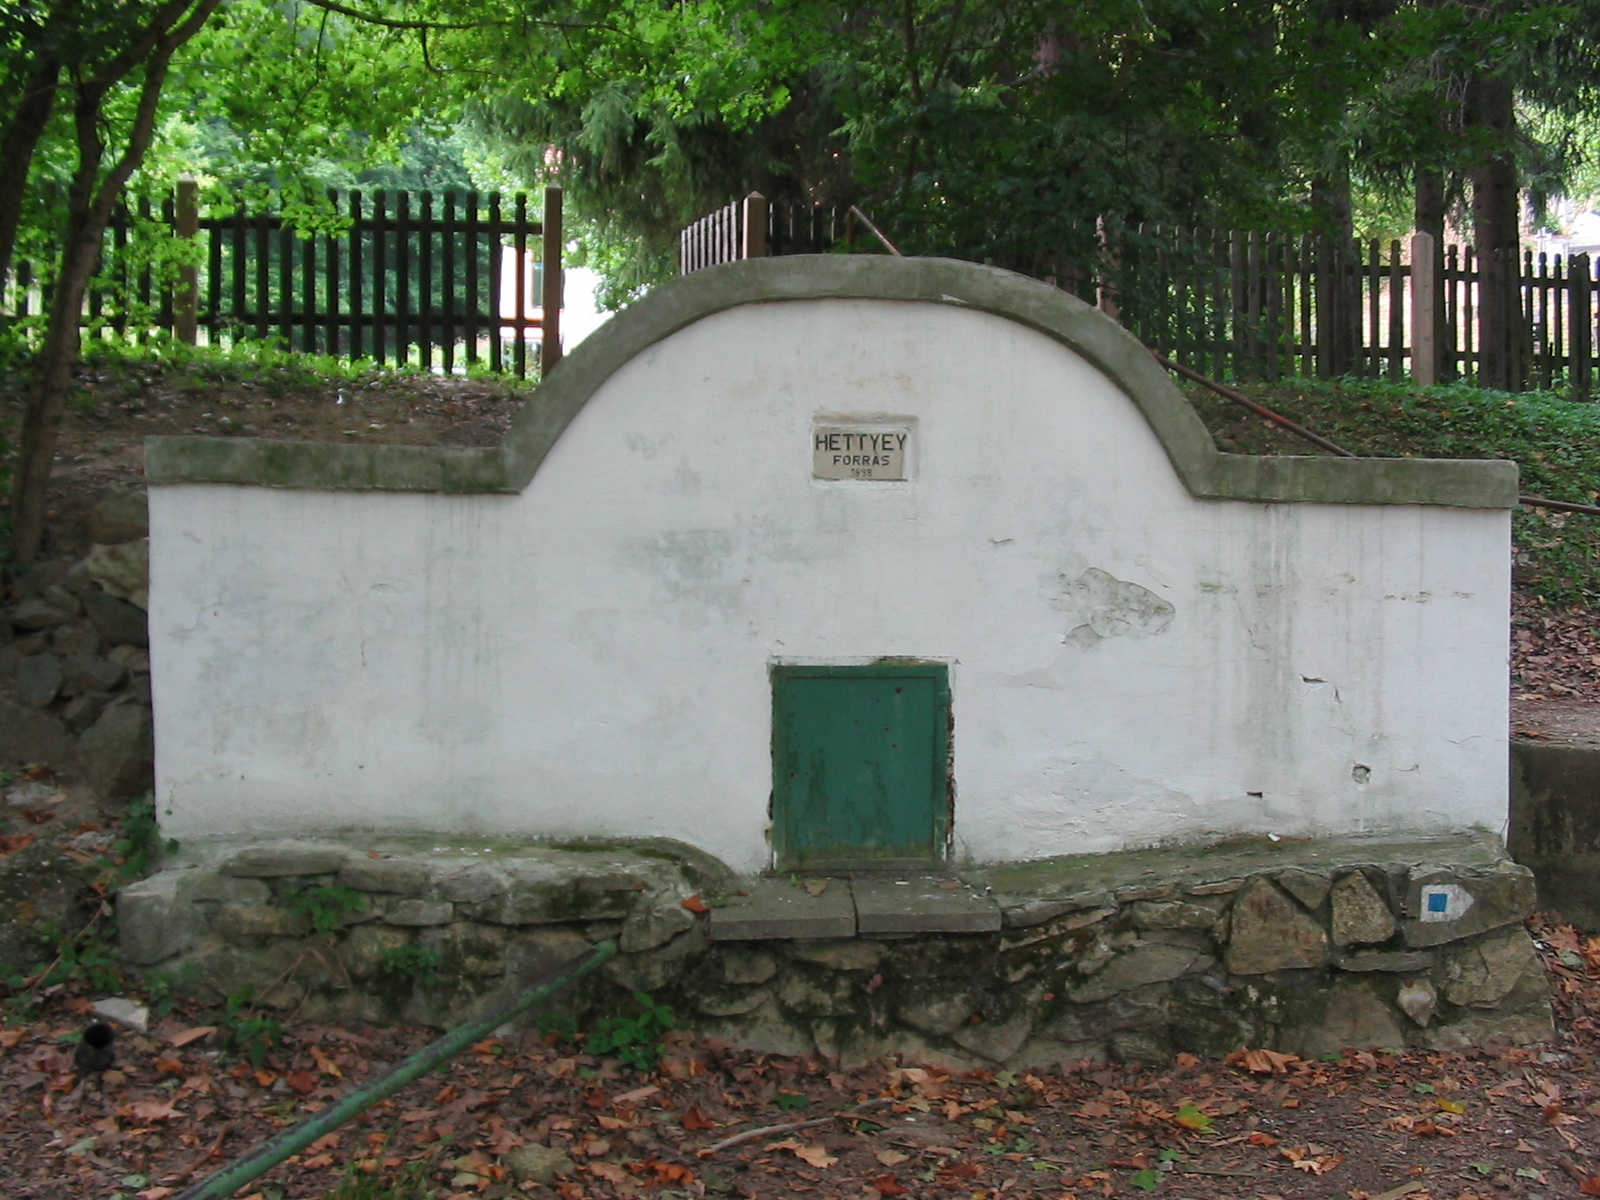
x=770, y=909
x=1555, y=825
x=922, y=906
x=509, y=467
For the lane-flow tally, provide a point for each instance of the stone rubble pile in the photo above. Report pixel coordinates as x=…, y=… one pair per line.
x=74, y=663
x=1308, y=948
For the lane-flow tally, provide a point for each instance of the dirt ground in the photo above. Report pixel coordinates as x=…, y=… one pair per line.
x=115, y=409
x=1446, y=1126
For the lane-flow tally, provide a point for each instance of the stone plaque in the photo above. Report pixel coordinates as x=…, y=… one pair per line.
x=864, y=451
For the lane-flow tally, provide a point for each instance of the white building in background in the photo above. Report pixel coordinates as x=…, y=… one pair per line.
x=580, y=312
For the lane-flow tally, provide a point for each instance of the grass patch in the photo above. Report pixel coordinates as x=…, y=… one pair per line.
x=1554, y=441
x=264, y=363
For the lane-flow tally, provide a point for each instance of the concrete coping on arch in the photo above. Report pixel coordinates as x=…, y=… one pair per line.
x=1206, y=472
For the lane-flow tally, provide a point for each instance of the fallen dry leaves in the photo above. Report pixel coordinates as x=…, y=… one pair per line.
x=1452, y=1125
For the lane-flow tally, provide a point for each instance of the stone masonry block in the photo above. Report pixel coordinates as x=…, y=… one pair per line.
x=741, y=965
x=838, y=954
x=1020, y=914
x=1271, y=933
x=995, y=1040
x=286, y=858
x=1401, y=962
x=1308, y=887
x=557, y=887
x=1443, y=904
x=818, y=996
x=937, y=1011
x=420, y=912
x=651, y=927
x=1199, y=913
x=393, y=876
x=1360, y=914
x=1482, y=972
x=208, y=887
x=1136, y=967
x=243, y=924
x=363, y=951
x=117, y=752
x=531, y=953
x=656, y=968
x=156, y=920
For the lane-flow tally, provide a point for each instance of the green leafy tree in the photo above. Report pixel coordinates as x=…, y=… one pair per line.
x=130, y=47
x=297, y=83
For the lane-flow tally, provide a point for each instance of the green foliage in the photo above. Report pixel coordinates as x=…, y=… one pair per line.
x=161, y=987
x=85, y=959
x=132, y=855
x=264, y=363
x=410, y=962
x=635, y=1040
x=1147, y=1180
x=554, y=1024
x=412, y=1183
x=790, y=1100
x=248, y=1033
x=325, y=905
x=1555, y=442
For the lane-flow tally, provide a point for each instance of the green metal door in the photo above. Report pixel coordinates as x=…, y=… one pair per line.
x=859, y=756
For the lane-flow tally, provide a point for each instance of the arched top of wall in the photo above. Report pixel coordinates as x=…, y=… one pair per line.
x=508, y=467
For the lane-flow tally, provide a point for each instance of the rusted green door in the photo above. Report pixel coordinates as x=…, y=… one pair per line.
x=860, y=775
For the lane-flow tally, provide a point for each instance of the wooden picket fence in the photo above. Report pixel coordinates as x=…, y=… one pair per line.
x=1254, y=305
x=752, y=228
x=442, y=281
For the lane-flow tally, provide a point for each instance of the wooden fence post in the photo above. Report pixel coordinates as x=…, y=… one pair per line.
x=755, y=226
x=1106, y=298
x=550, y=316
x=1424, y=333
x=185, y=314
x=1580, y=342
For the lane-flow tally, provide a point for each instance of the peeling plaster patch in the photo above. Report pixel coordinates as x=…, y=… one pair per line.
x=691, y=555
x=1042, y=678
x=692, y=569
x=1360, y=773
x=1099, y=606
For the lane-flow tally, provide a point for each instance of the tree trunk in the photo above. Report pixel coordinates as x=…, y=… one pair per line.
x=1338, y=286
x=90, y=203
x=16, y=152
x=1430, y=206
x=1496, y=235
x=52, y=383
x=1430, y=214
x=41, y=421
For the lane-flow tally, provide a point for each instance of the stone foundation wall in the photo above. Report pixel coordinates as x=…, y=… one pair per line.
x=74, y=668
x=1307, y=948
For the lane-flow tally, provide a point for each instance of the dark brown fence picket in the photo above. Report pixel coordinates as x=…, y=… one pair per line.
x=397, y=277
x=1250, y=304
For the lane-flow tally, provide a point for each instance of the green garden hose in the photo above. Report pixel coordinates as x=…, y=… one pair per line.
x=291, y=1141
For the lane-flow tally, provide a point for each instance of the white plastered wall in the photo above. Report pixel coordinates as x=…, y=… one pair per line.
x=591, y=657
